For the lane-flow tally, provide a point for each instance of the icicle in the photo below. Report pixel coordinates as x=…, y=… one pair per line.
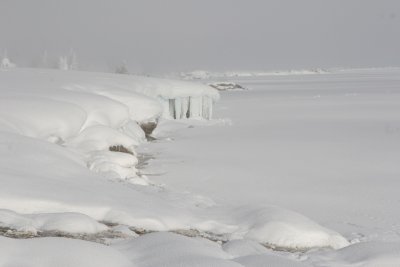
x=199, y=107
x=188, y=108
x=184, y=107
x=165, y=105
x=172, y=108
x=178, y=108
x=207, y=107
x=195, y=107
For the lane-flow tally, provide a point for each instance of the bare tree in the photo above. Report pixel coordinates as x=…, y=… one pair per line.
x=122, y=68
x=72, y=60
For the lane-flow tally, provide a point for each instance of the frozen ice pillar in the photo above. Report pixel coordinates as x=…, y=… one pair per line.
x=179, y=99
x=198, y=107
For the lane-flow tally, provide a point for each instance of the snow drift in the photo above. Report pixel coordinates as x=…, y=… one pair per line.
x=91, y=112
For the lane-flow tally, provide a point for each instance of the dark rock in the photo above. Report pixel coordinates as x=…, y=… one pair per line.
x=224, y=86
x=120, y=148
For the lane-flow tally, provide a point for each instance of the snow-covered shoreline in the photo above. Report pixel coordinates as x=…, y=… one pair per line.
x=60, y=174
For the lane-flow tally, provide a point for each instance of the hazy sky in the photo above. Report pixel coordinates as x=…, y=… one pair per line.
x=175, y=35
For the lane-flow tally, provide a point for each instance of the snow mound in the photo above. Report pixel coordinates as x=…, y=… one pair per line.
x=107, y=151
x=284, y=229
x=69, y=222
x=244, y=247
x=141, y=108
x=168, y=249
x=102, y=138
x=63, y=252
x=132, y=91
x=40, y=117
x=368, y=254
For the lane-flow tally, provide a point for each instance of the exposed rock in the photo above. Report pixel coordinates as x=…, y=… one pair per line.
x=120, y=148
x=148, y=128
x=224, y=86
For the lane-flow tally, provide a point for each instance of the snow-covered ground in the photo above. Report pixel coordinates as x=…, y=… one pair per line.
x=323, y=145
x=299, y=170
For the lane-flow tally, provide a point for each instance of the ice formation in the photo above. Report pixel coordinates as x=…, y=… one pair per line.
x=188, y=107
x=93, y=112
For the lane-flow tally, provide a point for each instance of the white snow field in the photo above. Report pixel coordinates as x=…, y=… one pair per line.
x=299, y=170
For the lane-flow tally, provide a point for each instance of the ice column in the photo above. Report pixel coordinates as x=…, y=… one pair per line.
x=188, y=107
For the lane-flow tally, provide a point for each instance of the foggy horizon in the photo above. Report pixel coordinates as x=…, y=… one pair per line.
x=172, y=36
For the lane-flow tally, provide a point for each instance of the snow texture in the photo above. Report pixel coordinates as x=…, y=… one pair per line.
x=322, y=146
x=50, y=252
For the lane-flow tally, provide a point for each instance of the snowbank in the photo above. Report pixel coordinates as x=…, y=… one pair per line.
x=284, y=229
x=91, y=112
x=72, y=223
x=63, y=252
x=168, y=250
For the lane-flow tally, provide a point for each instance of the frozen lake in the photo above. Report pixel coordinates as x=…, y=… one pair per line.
x=324, y=145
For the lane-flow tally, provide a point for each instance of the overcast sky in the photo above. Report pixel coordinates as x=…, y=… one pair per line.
x=175, y=35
